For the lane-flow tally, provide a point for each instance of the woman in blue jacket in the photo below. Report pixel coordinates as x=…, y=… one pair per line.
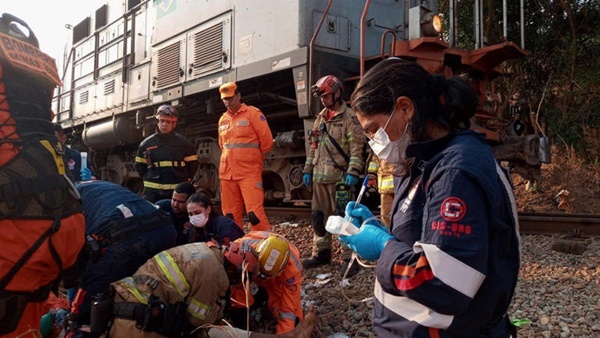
x=450, y=264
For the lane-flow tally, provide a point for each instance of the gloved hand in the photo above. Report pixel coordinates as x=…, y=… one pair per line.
x=358, y=214
x=351, y=180
x=307, y=179
x=369, y=242
x=86, y=174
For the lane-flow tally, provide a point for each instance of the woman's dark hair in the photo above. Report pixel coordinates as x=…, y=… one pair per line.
x=204, y=200
x=449, y=103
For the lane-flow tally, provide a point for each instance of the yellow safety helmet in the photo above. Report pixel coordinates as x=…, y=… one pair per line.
x=273, y=255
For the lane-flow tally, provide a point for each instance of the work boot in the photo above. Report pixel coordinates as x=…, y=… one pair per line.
x=322, y=258
x=354, y=268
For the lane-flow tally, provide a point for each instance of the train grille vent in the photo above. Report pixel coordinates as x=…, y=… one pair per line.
x=109, y=87
x=168, y=70
x=208, y=49
x=84, y=97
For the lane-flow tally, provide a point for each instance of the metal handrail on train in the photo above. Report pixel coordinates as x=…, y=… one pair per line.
x=310, y=52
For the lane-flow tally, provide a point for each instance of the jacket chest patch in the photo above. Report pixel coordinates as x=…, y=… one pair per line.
x=242, y=123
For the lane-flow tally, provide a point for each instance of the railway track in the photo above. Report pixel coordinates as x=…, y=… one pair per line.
x=529, y=223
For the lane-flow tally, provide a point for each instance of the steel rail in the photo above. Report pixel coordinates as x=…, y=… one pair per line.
x=529, y=222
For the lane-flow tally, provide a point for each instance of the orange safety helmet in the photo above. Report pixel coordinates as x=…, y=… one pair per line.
x=273, y=255
x=167, y=112
x=326, y=85
x=242, y=255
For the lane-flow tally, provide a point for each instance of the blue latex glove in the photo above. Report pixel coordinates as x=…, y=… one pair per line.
x=351, y=180
x=358, y=214
x=369, y=242
x=307, y=179
x=86, y=174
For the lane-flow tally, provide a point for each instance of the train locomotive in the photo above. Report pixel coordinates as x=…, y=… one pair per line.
x=131, y=56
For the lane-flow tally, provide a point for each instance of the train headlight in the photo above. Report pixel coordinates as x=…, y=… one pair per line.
x=431, y=24
x=423, y=22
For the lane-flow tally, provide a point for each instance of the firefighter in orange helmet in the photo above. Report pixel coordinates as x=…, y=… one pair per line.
x=244, y=138
x=40, y=215
x=279, y=282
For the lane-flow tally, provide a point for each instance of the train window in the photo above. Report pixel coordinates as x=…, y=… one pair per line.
x=101, y=17
x=81, y=30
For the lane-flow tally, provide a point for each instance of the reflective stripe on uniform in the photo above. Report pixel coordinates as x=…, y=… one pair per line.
x=387, y=183
x=412, y=310
x=159, y=186
x=287, y=315
x=163, y=164
x=240, y=145
x=198, y=309
x=372, y=167
x=173, y=273
x=129, y=284
x=140, y=159
x=191, y=158
x=125, y=211
x=451, y=271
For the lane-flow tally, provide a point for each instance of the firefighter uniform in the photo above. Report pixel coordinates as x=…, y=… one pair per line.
x=283, y=290
x=189, y=276
x=163, y=161
x=453, y=270
x=123, y=231
x=328, y=167
x=385, y=185
x=244, y=139
x=40, y=215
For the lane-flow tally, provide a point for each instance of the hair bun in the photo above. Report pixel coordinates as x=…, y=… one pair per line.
x=437, y=85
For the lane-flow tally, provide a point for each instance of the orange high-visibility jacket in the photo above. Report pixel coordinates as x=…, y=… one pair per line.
x=283, y=290
x=244, y=138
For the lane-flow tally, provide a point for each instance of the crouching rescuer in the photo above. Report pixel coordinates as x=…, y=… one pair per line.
x=182, y=292
x=40, y=215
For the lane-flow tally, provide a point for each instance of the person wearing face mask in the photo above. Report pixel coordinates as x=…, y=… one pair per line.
x=207, y=224
x=334, y=158
x=449, y=266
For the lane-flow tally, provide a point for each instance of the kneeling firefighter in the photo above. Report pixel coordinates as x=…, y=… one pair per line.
x=179, y=290
x=123, y=230
x=40, y=215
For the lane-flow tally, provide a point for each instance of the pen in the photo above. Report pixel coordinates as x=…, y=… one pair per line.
x=363, y=188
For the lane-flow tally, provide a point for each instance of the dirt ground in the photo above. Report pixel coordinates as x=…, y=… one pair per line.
x=567, y=185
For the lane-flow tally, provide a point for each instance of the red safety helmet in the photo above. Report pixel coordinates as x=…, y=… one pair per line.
x=326, y=85
x=242, y=255
x=167, y=112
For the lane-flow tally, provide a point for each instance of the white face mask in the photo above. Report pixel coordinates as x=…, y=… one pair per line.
x=199, y=220
x=391, y=152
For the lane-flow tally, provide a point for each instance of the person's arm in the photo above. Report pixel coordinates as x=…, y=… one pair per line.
x=356, y=141
x=304, y=329
x=448, y=264
x=141, y=166
x=263, y=131
x=314, y=143
x=286, y=299
x=191, y=160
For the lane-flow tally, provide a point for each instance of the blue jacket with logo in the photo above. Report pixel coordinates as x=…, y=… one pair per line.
x=453, y=270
